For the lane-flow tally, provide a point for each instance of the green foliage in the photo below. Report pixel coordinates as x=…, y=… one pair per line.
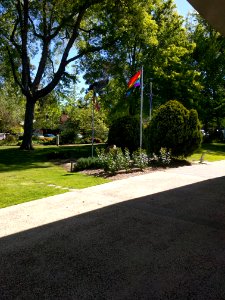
x=85, y=163
x=162, y=159
x=48, y=112
x=48, y=32
x=161, y=44
x=115, y=159
x=124, y=132
x=11, y=110
x=80, y=121
x=9, y=140
x=175, y=128
x=109, y=161
x=69, y=132
x=209, y=58
x=127, y=160
x=140, y=159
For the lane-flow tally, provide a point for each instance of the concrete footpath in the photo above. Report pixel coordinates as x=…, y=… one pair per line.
x=153, y=236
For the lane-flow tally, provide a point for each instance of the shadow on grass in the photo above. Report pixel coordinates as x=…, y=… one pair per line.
x=13, y=159
x=68, y=174
x=168, y=245
x=217, y=147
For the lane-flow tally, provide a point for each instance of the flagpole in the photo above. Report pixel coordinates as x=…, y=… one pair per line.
x=150, y=107
x=141, y=108
x=93, y=123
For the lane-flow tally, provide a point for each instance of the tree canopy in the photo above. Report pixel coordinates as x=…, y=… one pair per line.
x=45, y=45
x=39, y=39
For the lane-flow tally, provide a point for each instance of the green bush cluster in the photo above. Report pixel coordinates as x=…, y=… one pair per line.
x=9, y=140
x=115, y=160
x=87, y=163
x=124, y=133
x=174, y=128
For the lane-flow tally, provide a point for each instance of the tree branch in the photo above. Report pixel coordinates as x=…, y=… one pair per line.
x=23, y=20
x=34, y=29
x=12, y=38
x=44, y=54
x=13, y=67
x=86, y=51
x=63, y=63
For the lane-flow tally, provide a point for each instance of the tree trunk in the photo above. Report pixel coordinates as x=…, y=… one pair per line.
x=28, y=125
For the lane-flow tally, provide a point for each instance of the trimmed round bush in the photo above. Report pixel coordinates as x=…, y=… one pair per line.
x=125, y=133
x=175, y=128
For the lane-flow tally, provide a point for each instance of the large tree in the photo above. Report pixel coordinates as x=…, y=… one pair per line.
x=209, y=60
x=39, y=39
x=163, y=47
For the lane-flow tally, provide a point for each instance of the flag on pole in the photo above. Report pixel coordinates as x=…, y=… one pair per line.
x=135, y=80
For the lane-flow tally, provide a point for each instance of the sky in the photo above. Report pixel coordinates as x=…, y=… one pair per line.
x=183, y=7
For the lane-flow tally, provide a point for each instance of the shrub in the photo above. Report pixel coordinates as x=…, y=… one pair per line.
x=108, y=161
x=174, y=128
x=140, y=159
x=9, y=140
x=127, y=160
x=114, y=160
x=85, y=163
x=124, y=133
x=162, y=159
x=68, y=136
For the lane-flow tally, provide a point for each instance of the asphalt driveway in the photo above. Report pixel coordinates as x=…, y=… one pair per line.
x=155, y=236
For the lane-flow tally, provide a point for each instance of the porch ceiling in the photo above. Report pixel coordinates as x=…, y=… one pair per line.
x=213, y=11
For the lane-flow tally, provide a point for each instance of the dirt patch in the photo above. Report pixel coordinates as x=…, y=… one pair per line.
x=122, y=174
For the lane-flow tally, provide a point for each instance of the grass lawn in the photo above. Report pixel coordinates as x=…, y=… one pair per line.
x=30, y=175
x=213, y=152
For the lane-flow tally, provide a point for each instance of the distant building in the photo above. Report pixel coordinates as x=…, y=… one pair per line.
x=64, y=117
x=2, y=136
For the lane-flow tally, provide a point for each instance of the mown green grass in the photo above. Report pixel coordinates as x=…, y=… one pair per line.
x=212, y=152
x=29, y=175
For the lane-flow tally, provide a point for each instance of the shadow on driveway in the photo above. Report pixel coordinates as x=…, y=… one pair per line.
x=169, y=245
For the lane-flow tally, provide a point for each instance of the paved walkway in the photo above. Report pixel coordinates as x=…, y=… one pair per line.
x=39, y=212
x=154, y=236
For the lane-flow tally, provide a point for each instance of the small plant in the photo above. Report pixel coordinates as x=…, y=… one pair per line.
x=102, y=158
x=162, y=159
x=140, y=159
x=119, y=158
x=164, y=156
x=114, y=160
x=127, y=160
x=85, y=163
